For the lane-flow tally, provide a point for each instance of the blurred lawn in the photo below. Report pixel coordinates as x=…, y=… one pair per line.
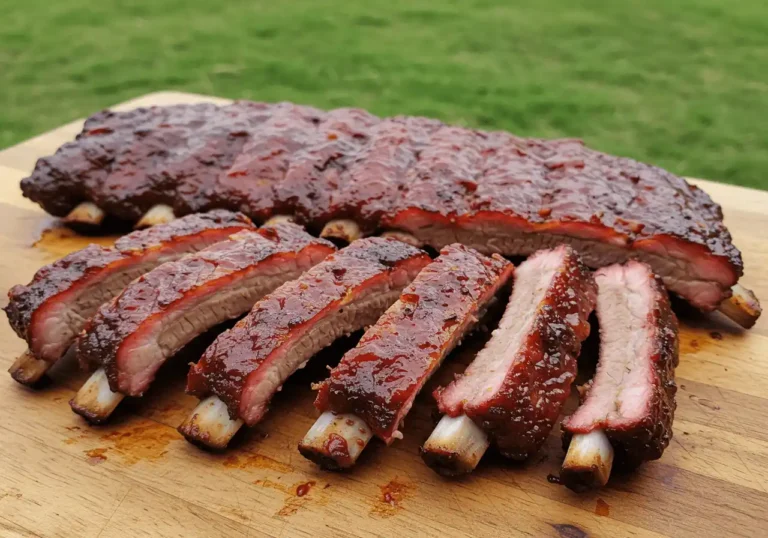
x=682, y=84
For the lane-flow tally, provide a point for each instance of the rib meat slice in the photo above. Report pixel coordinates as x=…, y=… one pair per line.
x=379, y=379
x=166, y=308
x=51, y=310
x=246, y=365
x=632, y=396
x=515, y=388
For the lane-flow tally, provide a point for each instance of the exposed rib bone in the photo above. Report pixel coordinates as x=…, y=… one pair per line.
x=742, y=307
x=405, y=237
x=159, y=214
x=278, y=219
x=95, y=401
x=342, y=229
x=85, y=214
x=455, y=446
x=335, y=441
x=588, y=462
x=28, y=369
x=209, y=425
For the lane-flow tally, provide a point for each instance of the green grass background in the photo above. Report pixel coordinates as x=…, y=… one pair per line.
x=680, y=83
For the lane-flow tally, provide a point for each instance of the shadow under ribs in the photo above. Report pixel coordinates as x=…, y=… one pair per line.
x=375, y=384
x=162, y=311
x=630, y=403
x=514, y=390
x=50, y=311
x=245, y=366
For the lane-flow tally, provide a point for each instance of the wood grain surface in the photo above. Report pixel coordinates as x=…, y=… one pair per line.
x=138, y=477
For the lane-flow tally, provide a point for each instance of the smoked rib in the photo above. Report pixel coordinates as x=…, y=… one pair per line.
x=163, y=310
x=246, y=365
x=51, y=310
x=380, y=378
x=492, y=191
x=515, y=388
x=632, y=396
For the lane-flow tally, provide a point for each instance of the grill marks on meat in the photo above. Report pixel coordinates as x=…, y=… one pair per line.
x=380, y=378
x=489, y=190
x=51, y=310
x=632, y=396
x=165, y=309
x=516, y=386
x=349, y=290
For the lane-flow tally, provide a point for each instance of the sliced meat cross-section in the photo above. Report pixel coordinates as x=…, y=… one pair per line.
x=246, y=365
x=51, y=310
x=165, y=309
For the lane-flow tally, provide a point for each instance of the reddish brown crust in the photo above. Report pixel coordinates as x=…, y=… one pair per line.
x=647, y=439
x=78, y=268
x=520, y=415
x=401, y=173
x=148, y=297
x=237, y=354
x=380, y=378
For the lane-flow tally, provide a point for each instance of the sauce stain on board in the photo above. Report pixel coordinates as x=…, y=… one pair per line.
x=602, y=508
x=566, y=530
x=60, y=240
x=390, y=499
x=96, y=456
x=296, y=495
x=254, y=460
x=148, y=441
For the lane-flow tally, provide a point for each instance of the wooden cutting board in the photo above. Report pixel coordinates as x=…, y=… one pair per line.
x=138, y=477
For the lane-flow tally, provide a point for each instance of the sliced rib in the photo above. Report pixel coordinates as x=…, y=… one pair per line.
x=51, y=310
x=165, y=309
x=378, y=381
x=631, y=400
x=246, y=365
x=515, y=388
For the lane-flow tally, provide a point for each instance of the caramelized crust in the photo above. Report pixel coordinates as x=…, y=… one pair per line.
x=343, y=293
x=134, y=333
x=516, y=386
x=380, y=378
x=632, y=396
x=443, y=184
x=83, y=280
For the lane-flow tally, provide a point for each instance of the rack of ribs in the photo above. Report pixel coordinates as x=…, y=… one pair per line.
x=244, y=367
x=514, y=390
x=52, y=309
x=630, y=404
x=163, y=310
x=374, y=386
x=347, y=173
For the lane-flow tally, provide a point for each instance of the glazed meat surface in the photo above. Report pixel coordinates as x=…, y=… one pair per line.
x=632, y=396
x=246, y=365
x=380, y=378
x=443, y=184
x=516, y=386
x=163, y=310
x=51, y=310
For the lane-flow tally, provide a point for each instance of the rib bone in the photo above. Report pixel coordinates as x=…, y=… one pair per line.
x=27, y=369
x=95, y=401
x=159, y=214
x=335, y=441
x=588, y=462
x=212, y=417
x=455, y=446
x=85, y=214
x=342, y=230
x=741, y=307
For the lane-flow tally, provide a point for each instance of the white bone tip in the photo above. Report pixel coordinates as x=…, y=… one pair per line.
x=344, y=230
x=588, y=462
x=279, y=219
x=405, y=237
x=159, y=214
x=455, y=446
x=742, y=307
x=85, y=214
x=209, y=425
x=95, y=401
x=335, y=441
x=28, y=369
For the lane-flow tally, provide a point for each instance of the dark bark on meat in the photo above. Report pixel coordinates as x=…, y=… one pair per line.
x=380, y=378
x=440, y=183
